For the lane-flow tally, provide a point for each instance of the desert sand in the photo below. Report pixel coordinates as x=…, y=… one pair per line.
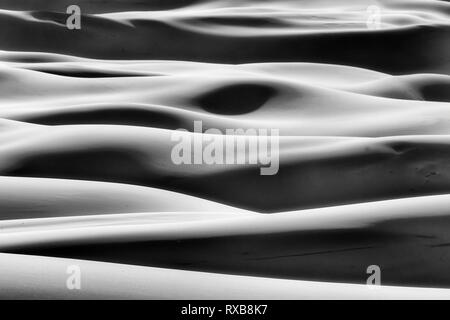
x=86, y=176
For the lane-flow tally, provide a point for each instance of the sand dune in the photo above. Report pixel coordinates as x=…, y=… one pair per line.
x=281, y=31
x=288, y=99
x=430, y=87
x=87, y=119
x=311, y=174
x=22, y=198
x=46, y=281
x=328, y=244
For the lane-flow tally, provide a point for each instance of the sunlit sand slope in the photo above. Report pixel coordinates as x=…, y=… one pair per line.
x=357, y=90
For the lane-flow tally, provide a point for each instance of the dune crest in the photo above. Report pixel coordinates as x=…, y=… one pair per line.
x=356, y=93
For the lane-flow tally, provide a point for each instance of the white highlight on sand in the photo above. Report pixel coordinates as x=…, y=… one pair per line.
x=44, y=281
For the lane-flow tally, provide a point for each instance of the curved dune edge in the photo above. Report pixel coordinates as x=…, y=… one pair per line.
x=358, y=89
x=33, y=198
x=281, y=31
x=97, y=7
x=184, y=225
x=34, y=277
x=405, y=237
x=296, y=98
x=311, y=169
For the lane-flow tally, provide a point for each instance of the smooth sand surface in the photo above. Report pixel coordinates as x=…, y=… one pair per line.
x=328, y=244
x=239, y=31
x=86, y=125
x=47, y=280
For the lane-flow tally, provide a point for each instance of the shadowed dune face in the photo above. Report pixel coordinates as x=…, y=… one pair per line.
x=328, y=244
x=87, y=125
x=437, y=92
x=321, y=36
x=297, y=99
x=332, y=255
x=86, y=73
x=128, y=115
x=97, y=6
x=237, y=21
x=413, y=87
x=236, y=99
x=310, y=175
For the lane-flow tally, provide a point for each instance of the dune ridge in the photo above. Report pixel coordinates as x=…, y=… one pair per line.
x=269, y=33
x=135, y=282
x=334, y=244
x=87, y=178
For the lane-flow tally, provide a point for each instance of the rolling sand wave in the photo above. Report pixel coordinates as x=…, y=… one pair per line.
x=87, y=116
